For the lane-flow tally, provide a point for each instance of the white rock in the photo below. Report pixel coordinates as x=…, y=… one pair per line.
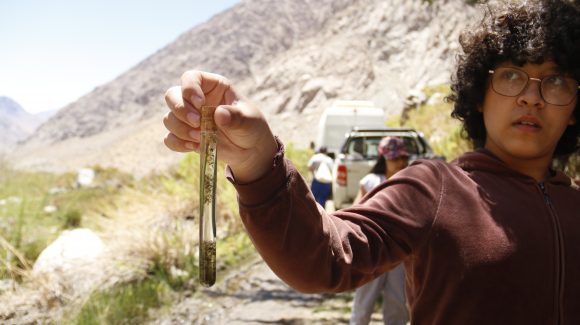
x=57, y=190
x=71, y=247
x=73, y=265
x=7, y=284
x=177, y=273
x=85, y=176
x=50, y=209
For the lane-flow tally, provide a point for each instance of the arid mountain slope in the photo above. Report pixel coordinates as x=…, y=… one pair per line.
x=293, y=58
x=16, y=124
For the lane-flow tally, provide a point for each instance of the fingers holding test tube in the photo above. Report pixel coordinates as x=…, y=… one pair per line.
x=245, y=141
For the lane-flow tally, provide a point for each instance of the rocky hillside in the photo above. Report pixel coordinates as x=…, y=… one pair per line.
x=292, y=57
x=16, y=124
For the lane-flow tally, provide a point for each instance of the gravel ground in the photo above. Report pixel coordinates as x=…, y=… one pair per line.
x=254, y=295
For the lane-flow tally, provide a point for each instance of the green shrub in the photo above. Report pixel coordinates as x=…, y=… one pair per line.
x=233, y=250
x=125, y=304
x=434, y=120
x=72, y=219
x=299, y=157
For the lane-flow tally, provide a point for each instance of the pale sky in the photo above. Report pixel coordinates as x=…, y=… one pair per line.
x=53, y=52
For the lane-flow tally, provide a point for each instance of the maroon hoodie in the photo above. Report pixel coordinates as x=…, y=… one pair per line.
x=481, y=243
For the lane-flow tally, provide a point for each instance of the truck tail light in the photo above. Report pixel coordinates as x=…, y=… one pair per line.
x=341, y=175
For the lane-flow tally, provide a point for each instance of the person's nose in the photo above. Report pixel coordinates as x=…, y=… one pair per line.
x=532, y=94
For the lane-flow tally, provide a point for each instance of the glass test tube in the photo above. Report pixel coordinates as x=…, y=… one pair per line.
x=207, y=225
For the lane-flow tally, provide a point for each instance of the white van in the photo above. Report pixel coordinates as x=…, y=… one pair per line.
x=344, y=115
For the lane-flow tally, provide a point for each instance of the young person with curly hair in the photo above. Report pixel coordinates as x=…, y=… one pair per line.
x=491, y=238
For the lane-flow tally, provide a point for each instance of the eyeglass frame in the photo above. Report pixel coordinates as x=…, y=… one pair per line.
x=540, y=80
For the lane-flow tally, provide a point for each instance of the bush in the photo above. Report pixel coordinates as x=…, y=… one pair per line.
x=299, y=157
x=433, y=119
x=126, y=304
x=72, y=219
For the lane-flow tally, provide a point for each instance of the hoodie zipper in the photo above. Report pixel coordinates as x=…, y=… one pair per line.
x=559, y=255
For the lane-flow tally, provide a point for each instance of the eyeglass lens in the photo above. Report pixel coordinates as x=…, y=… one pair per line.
x=555, y=89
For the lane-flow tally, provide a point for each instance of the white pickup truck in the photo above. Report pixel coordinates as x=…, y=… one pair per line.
x=359, y=153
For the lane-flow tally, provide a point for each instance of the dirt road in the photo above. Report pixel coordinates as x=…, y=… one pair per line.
x=254, y=295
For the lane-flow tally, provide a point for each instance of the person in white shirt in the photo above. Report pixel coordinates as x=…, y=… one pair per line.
x=393, y=156
x=321, y=167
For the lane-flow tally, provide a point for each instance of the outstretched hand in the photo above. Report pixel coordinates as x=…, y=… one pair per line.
x=245, y=141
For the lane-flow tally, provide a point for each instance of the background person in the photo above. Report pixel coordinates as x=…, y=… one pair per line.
x=393, y=157
x=321, y=167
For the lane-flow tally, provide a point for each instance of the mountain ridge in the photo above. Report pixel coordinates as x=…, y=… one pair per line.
x=16, y=124
x=289, y=60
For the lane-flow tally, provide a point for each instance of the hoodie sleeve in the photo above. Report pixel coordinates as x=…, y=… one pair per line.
x=315, y=251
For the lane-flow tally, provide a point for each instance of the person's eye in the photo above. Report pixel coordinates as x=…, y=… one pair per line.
x=556, y=81
x=511, y=75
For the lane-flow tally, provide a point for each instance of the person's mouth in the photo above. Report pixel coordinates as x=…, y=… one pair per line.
x=528, y=123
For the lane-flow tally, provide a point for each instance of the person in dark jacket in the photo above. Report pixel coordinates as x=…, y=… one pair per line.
x=491, y=238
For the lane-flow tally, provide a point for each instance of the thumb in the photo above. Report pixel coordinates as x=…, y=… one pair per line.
x=248, y=144
x=227, y=116
x=242, y=123
x=237, y=117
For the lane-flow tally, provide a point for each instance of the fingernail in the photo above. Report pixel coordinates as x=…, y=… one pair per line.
x=189, y=145
x=193, y=119
x=197, y=101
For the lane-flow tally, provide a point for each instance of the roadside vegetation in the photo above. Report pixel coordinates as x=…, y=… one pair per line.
x=36, y=207
x=432, y=116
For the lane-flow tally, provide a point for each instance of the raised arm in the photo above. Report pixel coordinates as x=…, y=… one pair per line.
x=310, y=249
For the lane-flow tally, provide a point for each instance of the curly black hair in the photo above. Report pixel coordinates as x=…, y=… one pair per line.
x=528, y=31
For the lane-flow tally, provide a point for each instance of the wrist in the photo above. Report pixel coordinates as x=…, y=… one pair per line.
x=259, y=162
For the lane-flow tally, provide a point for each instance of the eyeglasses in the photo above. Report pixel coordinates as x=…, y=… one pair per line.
x=555, y=89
